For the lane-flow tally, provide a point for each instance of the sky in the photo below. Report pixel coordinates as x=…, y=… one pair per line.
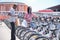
x=37, y=4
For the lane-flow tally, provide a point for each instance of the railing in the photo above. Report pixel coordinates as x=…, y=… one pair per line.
x=47, y=13
x=6, y=12
x=37, y=13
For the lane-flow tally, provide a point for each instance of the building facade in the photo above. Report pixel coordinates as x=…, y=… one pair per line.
x=5, y=6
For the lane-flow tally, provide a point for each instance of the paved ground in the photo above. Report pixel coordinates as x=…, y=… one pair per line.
x=5, y=32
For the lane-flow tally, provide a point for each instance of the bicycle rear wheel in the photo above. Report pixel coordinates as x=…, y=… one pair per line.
x=42, y=38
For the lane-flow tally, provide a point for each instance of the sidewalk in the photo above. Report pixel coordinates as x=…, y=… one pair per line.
x=5, y=32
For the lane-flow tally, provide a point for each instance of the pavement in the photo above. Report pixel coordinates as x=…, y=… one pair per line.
x=5, y=32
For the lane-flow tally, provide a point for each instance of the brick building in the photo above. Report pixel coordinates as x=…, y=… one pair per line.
x=5, y=6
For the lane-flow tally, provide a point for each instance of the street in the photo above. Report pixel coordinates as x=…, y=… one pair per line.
x=5, y=32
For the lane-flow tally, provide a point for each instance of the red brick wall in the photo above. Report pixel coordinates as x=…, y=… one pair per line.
x=6, y=7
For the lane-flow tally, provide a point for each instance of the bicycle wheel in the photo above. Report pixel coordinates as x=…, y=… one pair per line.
x=42, y=38
x=21, y=35
x=19, y=28
x=27, y=34
x=33, y=36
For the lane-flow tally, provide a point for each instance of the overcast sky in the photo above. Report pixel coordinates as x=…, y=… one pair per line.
x=36, y=4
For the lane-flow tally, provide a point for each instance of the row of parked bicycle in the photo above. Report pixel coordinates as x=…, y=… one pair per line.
x=26, y=34
x=47, y=26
